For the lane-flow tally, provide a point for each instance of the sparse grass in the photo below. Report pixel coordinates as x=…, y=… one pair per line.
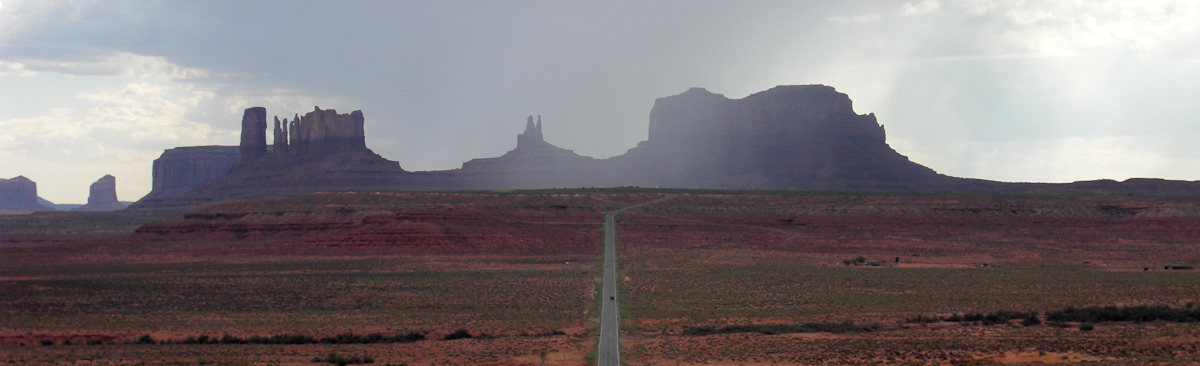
x=294, y=339
x=341, y=360
x=772, y=329
x=303, y=296
x=753, y=285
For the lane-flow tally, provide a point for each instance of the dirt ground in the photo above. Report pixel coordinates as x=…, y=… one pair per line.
x=519, y=272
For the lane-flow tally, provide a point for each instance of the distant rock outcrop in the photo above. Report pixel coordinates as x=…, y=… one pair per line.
x=180, y=169
x=322, y=131
x=325, y=151
x=19, y=194
x=535, y=163
x=804, y=137
x=102, y=196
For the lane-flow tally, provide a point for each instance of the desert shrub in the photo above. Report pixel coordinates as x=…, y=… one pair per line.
x=1087, y=327
x=228, y=339
x=923, y=319
x=771, y=329
x=1097, y=314
x=281, y=339
x=998, y=317
x=350, y=338
x=47, y=342
x=95, y=342
x=1032, y=320
x=857, y=260
x=458, y=334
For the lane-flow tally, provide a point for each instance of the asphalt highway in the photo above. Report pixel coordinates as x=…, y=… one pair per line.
x=609, y=353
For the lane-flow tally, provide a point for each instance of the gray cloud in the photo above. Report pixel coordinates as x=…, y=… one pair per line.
x=443, y=82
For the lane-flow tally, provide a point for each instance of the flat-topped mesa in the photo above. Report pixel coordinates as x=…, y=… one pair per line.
x=19, y=194
x=532, y=134
x=325, y=131
x=180, y=169
x=788, y=137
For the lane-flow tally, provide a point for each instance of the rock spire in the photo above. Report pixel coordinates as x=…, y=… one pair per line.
x=254, y=133
x=532, y=134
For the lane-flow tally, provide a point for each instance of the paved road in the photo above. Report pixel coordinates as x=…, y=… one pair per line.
x=609, y=353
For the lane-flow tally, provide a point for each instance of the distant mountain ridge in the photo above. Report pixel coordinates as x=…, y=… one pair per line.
x=799, y=137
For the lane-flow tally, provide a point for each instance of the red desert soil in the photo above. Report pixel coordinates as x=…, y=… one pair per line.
x=521, y=268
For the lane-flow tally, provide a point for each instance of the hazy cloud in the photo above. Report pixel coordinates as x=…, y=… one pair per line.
x=132, y=108
x=981, y=88
x=856, y=19
x=922, y=7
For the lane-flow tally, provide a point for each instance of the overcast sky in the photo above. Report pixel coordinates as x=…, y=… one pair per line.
x=1046, y=91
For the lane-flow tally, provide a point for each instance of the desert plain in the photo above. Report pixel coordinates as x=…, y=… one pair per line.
x=707, y=278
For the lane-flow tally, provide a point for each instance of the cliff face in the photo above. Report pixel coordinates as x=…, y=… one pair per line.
x=254, y=134
x=320, y=131
x=180, y=169
x=19, y=194
x=788, y=137
x=102, y=196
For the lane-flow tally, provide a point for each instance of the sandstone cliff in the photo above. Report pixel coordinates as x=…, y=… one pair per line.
x=179, y=170
x=19, y=194
x=102, y=196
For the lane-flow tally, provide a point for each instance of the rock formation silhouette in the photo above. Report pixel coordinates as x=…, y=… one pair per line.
x=535, y=163
x=321, y=131
x=804, y=137
x=254, y=134
x=19, y=194
x=102, y=196
x=799, y=137
x=180, y=169
x=326, y=151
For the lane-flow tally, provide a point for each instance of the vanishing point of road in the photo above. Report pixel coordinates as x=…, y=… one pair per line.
x=609, y=352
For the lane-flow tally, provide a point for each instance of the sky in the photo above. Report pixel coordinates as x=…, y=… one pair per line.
x=1025, y=91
